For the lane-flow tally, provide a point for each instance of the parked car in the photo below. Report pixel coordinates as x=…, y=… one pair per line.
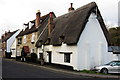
x=111, y=67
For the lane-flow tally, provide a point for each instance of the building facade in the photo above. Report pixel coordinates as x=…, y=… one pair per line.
x=79, y=39
x=7, y=40
x=27, y=38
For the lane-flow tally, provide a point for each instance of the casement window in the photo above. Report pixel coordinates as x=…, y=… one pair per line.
x=67, y=57
x=19, y=40
x=24, y=39
x=33, y=37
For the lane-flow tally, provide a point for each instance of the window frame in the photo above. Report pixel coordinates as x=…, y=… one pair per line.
x=33, y=37
x=24, y=39
x=67, y=57
x=19, y=40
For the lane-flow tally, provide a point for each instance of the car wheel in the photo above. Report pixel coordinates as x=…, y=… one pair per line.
x=104, y=71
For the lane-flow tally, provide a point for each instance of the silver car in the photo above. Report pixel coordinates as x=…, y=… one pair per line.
x=111, y=67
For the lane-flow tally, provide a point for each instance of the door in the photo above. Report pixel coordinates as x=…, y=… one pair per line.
x=49, y=56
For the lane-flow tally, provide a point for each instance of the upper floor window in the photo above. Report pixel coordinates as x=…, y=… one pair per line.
x=33, y=37
x=19, y=40
x=24, y=40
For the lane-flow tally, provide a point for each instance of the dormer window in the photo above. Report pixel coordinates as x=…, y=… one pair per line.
x=33, y=38
x=24, y=39
x=19, y=40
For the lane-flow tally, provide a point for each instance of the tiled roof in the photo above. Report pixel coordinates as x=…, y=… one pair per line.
x=8, y=35
x=33, y=28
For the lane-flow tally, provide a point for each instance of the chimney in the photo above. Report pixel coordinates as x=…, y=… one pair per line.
x=37, y=21
x=50, y=27
x=9, y=31
x=3, y=36
x=71, y=8
x=5, y=33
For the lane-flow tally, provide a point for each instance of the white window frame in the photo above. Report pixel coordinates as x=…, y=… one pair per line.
x=24, y=39
x=65, y=56
x=33, y=37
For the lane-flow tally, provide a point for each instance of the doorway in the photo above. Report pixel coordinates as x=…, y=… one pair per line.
x=49, y=56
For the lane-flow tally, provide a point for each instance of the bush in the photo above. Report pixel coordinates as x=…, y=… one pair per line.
x=33, y=57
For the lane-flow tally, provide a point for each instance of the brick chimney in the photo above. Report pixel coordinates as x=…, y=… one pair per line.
x=50, y=26
x=5, y=33
x=37, y=20
x=2, y=36
x=71, y=8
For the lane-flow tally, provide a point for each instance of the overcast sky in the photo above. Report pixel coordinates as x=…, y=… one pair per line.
x=13, y=13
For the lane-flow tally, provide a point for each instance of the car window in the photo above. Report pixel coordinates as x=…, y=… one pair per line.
x=109, y=63
x=118, y=63
x=114, y=64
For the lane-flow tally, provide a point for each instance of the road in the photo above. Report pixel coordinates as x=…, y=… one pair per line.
x=16, y=70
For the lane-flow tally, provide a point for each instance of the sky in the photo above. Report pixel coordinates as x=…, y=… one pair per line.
x=13, y=13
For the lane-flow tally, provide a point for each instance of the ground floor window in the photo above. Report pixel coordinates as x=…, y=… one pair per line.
x=67, y=57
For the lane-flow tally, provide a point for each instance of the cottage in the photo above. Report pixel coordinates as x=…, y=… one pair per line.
x=7, y=41
x=27, y=37
x=78, y=39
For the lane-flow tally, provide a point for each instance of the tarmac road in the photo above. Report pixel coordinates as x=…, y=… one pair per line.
x=17, y=70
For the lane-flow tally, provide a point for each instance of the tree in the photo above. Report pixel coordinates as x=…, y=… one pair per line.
x=115, y=36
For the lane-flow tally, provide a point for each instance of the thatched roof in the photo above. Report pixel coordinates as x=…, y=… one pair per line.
x=43, y=31
x=69, y=27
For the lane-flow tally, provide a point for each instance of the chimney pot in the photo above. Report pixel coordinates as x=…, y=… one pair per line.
x=71, y=4
x=38, y=11
x=71, y=8
x=50, y=14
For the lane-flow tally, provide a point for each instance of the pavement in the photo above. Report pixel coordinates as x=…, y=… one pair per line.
x=69, y=71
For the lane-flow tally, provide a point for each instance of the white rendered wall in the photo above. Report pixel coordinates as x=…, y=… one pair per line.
x=10, y=41
x=58, y=58
x=92, y=46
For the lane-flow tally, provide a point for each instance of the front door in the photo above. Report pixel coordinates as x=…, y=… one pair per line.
x=49, y=56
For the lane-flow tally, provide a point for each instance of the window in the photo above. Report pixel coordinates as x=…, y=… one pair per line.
x=33, y=38
x=118, y=63
x=19, y=40
x=67, y=57
x=24, y=38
